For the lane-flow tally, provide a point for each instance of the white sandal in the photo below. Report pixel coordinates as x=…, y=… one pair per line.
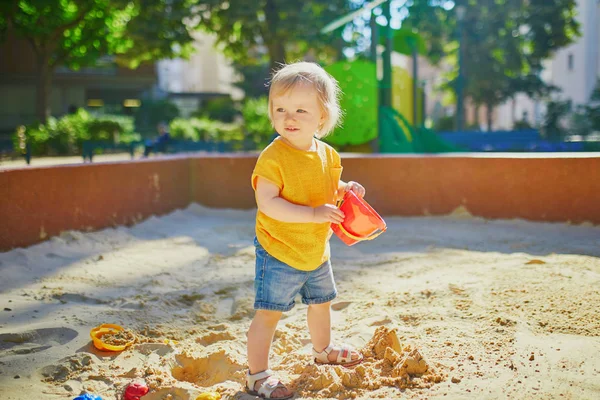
x=266, y=388
x=344, y=357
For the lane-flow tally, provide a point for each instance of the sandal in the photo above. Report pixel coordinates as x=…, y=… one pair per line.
x=266, y=388
x=344, y=357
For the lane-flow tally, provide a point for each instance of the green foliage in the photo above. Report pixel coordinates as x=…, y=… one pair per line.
x=219, y=108
x=205, y=129
x=433, y=24
x=271, y=31
x=113, y=128
x=445, y=124
x=552, y=126
x=522, y=125
x=253, y=79
x=157, y=30
x=65, y=136
x=592, y=109
x=503, y=42
x=76, y=33
x=585, y=119
x=257, y=126
x=151, y=112
x=579, y=124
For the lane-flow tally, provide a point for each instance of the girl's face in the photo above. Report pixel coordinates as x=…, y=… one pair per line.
x=297, y=115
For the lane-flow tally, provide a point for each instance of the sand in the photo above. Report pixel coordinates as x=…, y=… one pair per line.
x=446, y=307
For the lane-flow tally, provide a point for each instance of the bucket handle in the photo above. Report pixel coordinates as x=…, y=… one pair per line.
x=358, y=238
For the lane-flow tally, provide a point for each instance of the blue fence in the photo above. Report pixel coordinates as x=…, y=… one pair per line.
x=523, y=140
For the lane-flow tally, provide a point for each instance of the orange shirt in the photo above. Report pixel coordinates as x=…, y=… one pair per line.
x=308, y=178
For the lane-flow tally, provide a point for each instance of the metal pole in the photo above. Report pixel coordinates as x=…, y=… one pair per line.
x=387, y=59
x=423, y=104
x=374, y=41
x=415, y=82
x=460, y=10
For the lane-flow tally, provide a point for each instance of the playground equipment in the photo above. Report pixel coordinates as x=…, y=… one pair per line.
x=369, y=103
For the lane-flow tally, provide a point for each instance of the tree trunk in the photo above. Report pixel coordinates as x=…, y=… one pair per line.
x=43, y=88
x=477, y=121
x=513, y=111
x=274, y=43
x=276, y=56
x=489, y=110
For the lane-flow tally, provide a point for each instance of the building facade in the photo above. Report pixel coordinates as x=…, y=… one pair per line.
x=574, y=69
x=207, y=74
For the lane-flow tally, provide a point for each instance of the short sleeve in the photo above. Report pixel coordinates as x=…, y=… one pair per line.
x=337, y=161
x=333, y=156
x=268, y=168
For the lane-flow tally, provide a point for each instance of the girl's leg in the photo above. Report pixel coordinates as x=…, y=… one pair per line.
x=260, y=336
x=319, y=326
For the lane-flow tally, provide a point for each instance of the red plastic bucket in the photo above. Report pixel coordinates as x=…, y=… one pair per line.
x=361, y=221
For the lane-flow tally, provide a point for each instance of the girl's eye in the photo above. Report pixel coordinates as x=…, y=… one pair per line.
x=301, y=111
x=280, y=109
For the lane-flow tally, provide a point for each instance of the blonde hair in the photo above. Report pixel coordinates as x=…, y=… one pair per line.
x=328, y=91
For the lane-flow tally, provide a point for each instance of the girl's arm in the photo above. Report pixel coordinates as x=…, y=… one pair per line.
x=269, y=202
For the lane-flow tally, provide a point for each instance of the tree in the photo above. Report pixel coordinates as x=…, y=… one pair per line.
x=273, y=31
x=556, y=111
x=592, y=109
x=253, y=80
x=504, y=43
x=76, y=33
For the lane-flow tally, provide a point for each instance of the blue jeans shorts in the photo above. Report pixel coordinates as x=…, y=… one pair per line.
x=276, y=284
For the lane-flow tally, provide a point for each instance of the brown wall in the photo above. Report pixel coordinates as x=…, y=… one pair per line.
x=223, y=181
x=37, y=203
x=538, y=189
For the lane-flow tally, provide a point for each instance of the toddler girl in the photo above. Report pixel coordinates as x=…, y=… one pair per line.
x=297, y=182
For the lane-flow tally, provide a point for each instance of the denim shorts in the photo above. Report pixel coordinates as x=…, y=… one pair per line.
x=276, y=284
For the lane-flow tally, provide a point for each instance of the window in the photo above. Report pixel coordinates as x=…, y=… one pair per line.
x=570, y=62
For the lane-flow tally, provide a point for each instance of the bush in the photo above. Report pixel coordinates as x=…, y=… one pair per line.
x=65, y=136
x=151, y=112
x=592, y=109
x=552, y=127
x=522, y=125
x=58, y=137
x=205, y=129
x=220, y=109
x=257, y=125
x=579, y=124
x=444, y=124
x=114, y=128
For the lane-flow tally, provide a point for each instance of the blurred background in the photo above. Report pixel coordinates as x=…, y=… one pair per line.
x=84, y=77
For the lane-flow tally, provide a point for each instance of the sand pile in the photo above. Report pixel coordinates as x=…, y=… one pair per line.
x=386, y=363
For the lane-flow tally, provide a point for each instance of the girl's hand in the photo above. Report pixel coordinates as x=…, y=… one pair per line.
x=328, y=213
x=356, y=187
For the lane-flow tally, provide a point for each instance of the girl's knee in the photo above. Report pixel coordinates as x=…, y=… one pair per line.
x=321, y=306
x=268, y=316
